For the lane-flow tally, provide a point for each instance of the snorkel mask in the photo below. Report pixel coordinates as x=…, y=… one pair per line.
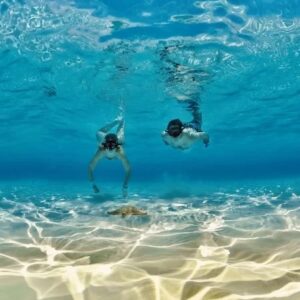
x=111, y=142
x=174, y=128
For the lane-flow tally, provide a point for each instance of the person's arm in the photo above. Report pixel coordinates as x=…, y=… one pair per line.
x=91, y=167
x=127, y=169
x=202, y=136
x=164, y=135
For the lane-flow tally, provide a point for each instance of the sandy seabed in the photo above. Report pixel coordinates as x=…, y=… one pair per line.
x=228, y=246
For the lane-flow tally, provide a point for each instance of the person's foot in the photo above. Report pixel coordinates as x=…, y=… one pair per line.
x=206, y=140
x=125, y=191
x=95, y=188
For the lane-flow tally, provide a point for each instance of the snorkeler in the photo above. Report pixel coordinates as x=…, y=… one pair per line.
x=110, y=147
x=184, y=83
x=183, y=135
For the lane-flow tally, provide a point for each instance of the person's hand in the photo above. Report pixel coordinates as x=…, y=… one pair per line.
x=125, y=191
x=206, y=141
x=95, y=188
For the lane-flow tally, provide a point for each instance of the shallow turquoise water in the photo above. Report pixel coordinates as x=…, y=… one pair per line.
x=223, y=221
x=67, y=67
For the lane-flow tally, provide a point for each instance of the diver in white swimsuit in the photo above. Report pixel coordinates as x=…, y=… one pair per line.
x=110, y=147
x=182, y=136
x=184, y=83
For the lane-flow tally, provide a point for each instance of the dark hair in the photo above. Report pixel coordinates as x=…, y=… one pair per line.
x=174, y=128
x=111, y=142
x=175, y=122
x=111, y=137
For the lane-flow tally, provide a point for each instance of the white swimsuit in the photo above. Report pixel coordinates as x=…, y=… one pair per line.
x=184, y=141
x=110, y=154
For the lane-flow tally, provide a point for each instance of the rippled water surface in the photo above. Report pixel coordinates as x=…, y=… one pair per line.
x=222, y=222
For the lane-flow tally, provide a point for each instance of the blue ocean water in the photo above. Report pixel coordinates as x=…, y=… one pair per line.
x=222, y=221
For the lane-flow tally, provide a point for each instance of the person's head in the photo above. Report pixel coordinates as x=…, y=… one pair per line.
x=111, y=141
x=174, y=128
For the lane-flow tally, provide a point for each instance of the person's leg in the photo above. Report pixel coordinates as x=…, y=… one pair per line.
x=193, y=107
x=120, y=132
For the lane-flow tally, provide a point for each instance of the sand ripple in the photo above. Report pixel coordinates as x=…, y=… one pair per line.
x=242, y=245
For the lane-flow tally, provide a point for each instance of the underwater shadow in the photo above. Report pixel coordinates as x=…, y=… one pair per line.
x=176, y=193
x=101, y=198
